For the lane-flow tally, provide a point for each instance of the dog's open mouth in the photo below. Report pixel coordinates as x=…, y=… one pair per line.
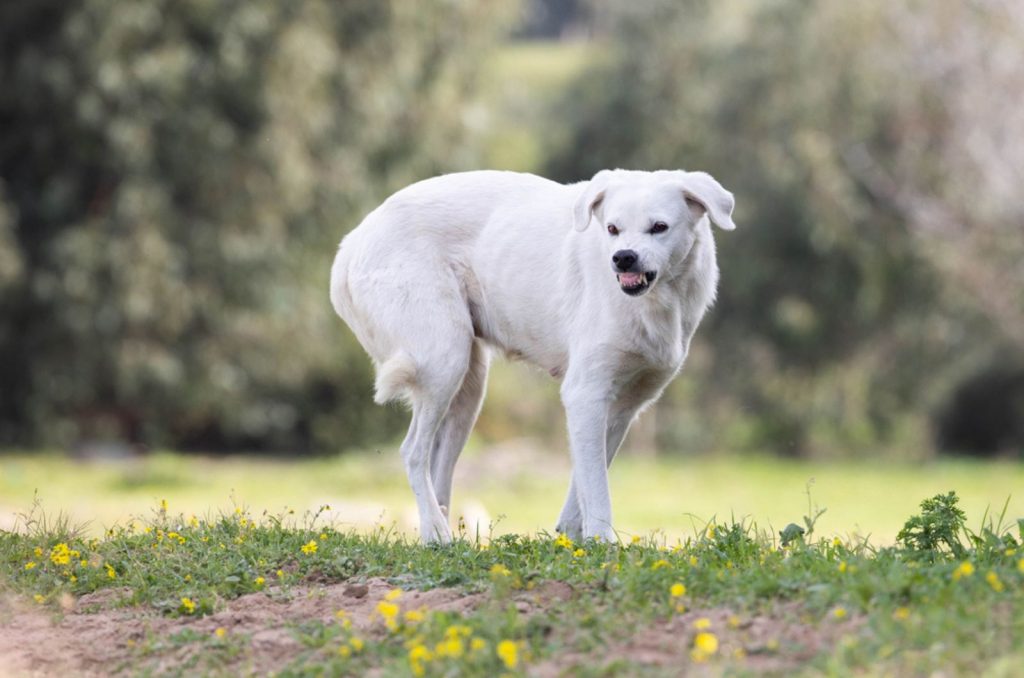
x=635, y=284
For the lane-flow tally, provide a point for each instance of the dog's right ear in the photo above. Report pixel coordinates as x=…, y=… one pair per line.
x=590, y=200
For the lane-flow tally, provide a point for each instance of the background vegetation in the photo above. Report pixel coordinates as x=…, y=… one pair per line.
x=175, y=176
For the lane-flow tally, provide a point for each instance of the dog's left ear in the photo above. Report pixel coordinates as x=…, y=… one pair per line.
x=589, y=200
x=718, y=203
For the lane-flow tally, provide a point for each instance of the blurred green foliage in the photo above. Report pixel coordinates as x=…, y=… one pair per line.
x=174, y=178
x=838, y=327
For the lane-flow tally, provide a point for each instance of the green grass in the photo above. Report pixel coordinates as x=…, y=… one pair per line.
x=521, y=489
x=946, y=598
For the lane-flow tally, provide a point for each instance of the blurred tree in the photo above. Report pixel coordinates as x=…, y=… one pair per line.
x=955, y=174
x=174, y=178
x=552, y=19
x=833, y=331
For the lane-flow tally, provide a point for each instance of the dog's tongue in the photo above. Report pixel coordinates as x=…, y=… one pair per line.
x=630, y=279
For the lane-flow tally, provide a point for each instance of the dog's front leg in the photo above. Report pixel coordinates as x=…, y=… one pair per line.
x=586, y=407
x=570, y=520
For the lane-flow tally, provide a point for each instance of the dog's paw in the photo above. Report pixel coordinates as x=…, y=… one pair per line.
x=601, y=532
x=435, y=532
x=572, y=530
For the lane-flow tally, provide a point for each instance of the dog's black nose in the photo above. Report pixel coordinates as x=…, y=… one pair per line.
x=624, y=259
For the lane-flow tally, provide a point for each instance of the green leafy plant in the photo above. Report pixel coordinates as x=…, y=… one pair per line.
x=937, y=530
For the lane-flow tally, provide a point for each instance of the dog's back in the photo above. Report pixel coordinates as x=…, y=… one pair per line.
x=408, y=264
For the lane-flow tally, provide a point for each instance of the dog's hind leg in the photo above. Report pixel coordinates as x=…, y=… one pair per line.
x=438, y=382
x=457, y=424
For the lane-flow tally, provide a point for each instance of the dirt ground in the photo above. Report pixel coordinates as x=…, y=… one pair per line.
x=97, y=636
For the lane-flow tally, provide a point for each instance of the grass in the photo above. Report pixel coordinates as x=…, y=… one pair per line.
x=731, y=596
x=520, y=489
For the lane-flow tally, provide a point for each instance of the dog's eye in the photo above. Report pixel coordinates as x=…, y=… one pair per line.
x=658, y=227
x=613, y=229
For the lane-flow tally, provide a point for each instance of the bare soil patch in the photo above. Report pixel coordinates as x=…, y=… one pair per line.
x=97, y=635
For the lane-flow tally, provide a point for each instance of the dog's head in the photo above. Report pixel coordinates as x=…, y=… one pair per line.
x=650, y=220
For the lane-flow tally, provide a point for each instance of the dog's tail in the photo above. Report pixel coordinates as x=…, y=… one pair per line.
x=396, y=378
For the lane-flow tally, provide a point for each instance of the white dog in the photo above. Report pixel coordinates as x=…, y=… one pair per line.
x=451, y=266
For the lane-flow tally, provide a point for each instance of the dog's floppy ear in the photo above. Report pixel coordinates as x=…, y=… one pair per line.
x=718, y=203
x=589, y=200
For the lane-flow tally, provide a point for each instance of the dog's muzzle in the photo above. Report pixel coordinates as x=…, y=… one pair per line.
x=632, y=280
x=634, y=283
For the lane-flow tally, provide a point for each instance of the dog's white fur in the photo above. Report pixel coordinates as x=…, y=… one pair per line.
x=452, y=266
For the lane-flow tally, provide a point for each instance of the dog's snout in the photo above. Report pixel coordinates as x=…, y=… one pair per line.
x=624, y=259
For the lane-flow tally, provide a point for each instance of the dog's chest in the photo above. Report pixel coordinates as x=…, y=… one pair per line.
x=657, y=341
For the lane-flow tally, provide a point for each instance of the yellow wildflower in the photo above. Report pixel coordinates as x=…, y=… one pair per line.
x=678, y=590
x=38, y=551
x=345, y=651
x=579, y=553
x=188, y=605
x=842, y=566
x=635, y=539
x=702, y=624
x=993, y=580
x=193, y=521
x=419, y=654
x=564, y=542
x=451, y=646
x=658, y=564
x=705, y=645
x=393, y=594
x=357, y=644
x=111, y=572
x=310, y=547
x=837, y=542
x=414, y=616
x=901, y=613
x=1020, y=565
x=260, y=581
x=39, y=598
x=499, y=570
x=30, y=565
x=839, y=612
x=163, y=506
x=388, y=611
x=60, y=554
x=964, y=569
x=477, y=644
x=458, y=631
x=220, y=632
x=734, y=622
x=280, y=574
x=508, y=653
x=693, y=561
x=83, y=563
